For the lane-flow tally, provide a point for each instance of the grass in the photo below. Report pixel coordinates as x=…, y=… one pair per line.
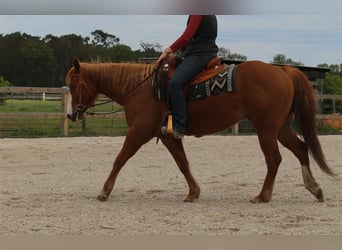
x=50, y=127
x=95, y=126
x=327, y=130
x=22, y=106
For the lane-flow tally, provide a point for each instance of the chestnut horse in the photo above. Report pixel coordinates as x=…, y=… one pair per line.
x=268, y=95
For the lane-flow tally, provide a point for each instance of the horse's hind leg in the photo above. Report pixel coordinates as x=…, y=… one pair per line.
x=176, y=149
x=269, y=146
x=288, y=138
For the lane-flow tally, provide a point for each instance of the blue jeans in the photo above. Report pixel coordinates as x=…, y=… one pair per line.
x=190, y=67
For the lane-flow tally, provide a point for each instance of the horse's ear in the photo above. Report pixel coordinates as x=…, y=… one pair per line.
x=77, y=64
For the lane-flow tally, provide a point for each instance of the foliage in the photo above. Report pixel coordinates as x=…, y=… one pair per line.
x=26, y=59
x=334, y=68
x=149, y=50
x=64, y=49
x=3, y=82
x=281, y=59
x=104, y=39
x=332, y=84
x=34, y=61
x=231, y=56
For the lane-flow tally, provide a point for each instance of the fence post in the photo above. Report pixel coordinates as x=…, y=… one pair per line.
x=235, y=129
x=334, y=106
x=84, y=125
x=64, y=118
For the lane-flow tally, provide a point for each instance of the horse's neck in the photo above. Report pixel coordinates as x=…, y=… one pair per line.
x=116, y=80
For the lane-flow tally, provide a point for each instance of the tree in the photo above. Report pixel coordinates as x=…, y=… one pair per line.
x=65, y=48
x=332, y=84
x=38, y=63
x=150, y=49
x=231, y=56
x=281, y=59
x=223, y=52
x=25, y=59
x=334, y=68
x=3, y=82
x=122, y=53
x=104, y=39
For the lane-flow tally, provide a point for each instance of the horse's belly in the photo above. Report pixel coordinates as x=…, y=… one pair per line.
x=214, y=114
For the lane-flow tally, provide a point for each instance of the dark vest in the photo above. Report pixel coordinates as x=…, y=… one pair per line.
x=203, y=42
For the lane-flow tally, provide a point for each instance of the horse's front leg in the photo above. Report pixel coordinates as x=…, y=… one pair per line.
x=131, y=145
x=176, y=149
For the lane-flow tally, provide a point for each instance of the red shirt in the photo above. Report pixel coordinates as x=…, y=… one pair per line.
x=191, y=28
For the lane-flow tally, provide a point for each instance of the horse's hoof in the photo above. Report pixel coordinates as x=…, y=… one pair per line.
x=192, y=197
x=255, y=200
x=319, y=195
x=259, y=199
x=102, y=197
x=189, y=199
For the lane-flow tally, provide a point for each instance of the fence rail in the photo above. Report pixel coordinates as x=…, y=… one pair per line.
x=16, y=90
x=61, y=94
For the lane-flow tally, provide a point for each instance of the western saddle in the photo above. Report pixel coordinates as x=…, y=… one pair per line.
x=213, y=67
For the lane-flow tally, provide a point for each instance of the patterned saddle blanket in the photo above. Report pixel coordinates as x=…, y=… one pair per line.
x=222, y=82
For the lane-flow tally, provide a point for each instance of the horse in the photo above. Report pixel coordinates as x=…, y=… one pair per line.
x=269, y=95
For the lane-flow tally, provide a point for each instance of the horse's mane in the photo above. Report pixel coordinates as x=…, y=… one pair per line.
x=123, y=75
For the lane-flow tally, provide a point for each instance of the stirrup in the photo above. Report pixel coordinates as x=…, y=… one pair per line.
x=168, y=128
x=175, y=134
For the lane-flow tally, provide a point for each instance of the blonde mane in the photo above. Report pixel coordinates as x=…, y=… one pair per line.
x=124, y=76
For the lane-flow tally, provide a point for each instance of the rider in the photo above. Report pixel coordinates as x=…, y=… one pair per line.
x=199, y=46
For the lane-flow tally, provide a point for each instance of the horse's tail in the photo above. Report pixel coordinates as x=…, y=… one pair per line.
x=304, y=108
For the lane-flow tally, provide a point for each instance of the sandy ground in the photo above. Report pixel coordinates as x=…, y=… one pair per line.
x=49, y=186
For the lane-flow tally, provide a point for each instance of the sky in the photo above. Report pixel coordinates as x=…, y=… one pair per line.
x=312, y=38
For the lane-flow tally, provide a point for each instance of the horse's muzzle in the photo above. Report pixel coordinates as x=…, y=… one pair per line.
x=76, y=115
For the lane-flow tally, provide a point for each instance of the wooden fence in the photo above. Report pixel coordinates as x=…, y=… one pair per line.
x=63, y=98
x=62, y=92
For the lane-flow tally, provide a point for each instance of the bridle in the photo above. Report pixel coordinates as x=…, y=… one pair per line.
x=80, y=107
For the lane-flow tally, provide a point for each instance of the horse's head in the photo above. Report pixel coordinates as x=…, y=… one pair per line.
x=82, y=94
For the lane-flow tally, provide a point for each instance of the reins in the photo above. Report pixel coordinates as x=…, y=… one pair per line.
x=102, y=113
x=141, y=82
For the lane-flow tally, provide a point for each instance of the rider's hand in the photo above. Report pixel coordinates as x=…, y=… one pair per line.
x=165, y=53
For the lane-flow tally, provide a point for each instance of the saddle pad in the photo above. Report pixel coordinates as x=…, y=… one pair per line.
x=220, y=83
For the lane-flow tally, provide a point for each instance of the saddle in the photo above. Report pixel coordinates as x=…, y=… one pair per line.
x=212, y=68
x=215, y=78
